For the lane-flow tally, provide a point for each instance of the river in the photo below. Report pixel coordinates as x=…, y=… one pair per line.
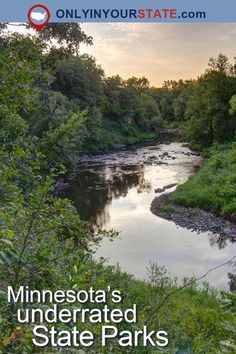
x=115, y=190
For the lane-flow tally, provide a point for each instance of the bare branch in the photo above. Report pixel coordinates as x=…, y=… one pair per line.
x=183, y=287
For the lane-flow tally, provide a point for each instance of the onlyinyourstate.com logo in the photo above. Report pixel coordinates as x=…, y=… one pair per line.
x=38, y=16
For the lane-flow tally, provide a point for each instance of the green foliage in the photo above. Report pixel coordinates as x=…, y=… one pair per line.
x=140, y=84
x=168, y=208
x=65, y=141
x=36, y=231
x=214, y=186
x=193, y=317
x=232, y=112
x=228, y=301
x=233, y=105
x=56, y=104
x=207, y=112
x=68, y=36
x=112, y=134
x=221, y=64
x=150, y=113
x=16, y=94
x=55, y=110
x=81, y=78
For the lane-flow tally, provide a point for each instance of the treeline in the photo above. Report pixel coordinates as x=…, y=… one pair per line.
x=71, y=106
x=55, y=104
x=75, y=108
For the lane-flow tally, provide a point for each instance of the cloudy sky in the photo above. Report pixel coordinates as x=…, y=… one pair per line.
x=161, y=51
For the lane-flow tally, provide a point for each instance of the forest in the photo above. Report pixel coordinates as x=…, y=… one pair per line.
x=57, y=104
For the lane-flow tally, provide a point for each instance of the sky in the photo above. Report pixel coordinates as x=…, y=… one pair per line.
x=159, y=51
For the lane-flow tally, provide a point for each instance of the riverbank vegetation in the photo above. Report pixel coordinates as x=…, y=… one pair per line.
x=210, y=126
x=213, y=188
x=54, y=105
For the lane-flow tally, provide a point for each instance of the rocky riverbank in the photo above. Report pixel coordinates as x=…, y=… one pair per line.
x=192, y=219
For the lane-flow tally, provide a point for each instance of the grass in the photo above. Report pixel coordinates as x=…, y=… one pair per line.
x=168, y=208
x=213, y=188
x=193, y=317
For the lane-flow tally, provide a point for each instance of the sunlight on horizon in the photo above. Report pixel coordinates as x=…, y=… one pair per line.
x=158, y=51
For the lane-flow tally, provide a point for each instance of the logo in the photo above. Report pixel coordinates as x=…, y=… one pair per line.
x=38, y=16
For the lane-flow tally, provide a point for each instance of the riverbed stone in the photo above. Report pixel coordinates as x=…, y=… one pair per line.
x=191, y=219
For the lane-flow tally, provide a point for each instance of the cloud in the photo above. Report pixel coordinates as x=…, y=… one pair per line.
x=159, y=51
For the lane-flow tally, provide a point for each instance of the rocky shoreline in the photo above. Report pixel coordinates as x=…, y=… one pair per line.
x=192, y=219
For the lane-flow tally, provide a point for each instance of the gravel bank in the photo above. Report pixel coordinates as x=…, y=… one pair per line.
x=192, y=219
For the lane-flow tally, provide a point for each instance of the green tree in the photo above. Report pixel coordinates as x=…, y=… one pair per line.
x=113, y=87
x=166, y=107
x=208, y=109
x=68, y=36
x=150, y=116
x=65, y=141
x=81, y=78
x=220, y=64
x=121, y=99
x=233, y=105
x=139, y=83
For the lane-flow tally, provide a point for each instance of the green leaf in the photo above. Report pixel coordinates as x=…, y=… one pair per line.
x=7, y=242
x=6, y=257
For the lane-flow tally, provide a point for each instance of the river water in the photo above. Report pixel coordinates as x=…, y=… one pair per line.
x=116, y=190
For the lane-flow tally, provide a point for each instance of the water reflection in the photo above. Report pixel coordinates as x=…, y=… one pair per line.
x=232, y=278
x=95, y=187
x=116, y=191
x=220, y=240
x=232, y=282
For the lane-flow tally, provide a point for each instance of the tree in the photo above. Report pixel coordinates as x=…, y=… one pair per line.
x=232, y=113
x=19, y=69
x=139, y=83
x=150, y=116
x=122, y=99
x=67, y=35
x=166, y=107
x=233, y=105
x=208, y=109
x=220, y=64
x=112, y=87
x=80, y=77
x=180, y=102
x=54, y=111
x=65, y=141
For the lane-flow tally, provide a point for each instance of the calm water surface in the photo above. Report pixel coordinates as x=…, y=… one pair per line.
x=116, y=191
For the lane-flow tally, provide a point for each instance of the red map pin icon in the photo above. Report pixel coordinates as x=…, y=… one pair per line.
x=38, y=16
